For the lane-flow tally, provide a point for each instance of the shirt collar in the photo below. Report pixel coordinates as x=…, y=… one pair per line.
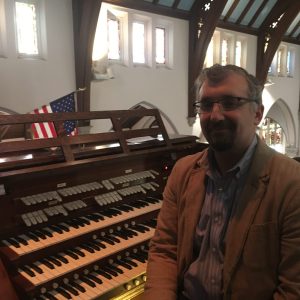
x=238, y=169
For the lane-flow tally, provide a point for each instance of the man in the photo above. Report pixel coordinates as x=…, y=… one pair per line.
x=229, y=226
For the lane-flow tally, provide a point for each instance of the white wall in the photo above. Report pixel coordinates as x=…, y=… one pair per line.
x=26, y=83
x=165, y=88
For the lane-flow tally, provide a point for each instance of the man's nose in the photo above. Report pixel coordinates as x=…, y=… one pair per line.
x=217, y=112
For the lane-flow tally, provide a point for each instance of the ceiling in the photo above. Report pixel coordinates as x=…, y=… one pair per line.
x=246, y=16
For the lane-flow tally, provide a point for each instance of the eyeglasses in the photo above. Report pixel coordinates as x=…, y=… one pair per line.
x=226, y=103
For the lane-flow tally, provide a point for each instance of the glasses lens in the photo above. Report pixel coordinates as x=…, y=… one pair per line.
x=229, y=103
x=206, y=105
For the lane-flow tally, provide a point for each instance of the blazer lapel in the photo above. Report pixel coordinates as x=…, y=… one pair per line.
x=244, y=211
x=189, y=215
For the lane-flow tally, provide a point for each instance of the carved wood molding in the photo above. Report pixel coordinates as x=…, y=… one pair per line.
x=203, y=21
x=271, y=34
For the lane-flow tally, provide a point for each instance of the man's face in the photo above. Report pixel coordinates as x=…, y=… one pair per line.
x=229, y=130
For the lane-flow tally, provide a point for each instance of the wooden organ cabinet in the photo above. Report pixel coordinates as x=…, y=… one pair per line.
x=77, y=212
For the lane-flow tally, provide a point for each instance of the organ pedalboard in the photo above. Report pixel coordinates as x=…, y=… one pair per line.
x=78, y=212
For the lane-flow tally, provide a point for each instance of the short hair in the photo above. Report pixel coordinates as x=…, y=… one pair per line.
x=217, y=73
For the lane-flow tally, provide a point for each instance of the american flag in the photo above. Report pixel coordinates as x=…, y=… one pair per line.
x=47, y=129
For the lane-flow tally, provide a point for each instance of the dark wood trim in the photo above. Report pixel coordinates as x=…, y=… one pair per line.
x=289, y=9
x=231, y=9
x=261, y=7
x=198, y=46
x=244, y=12
x=85, y=16
x=175, y=4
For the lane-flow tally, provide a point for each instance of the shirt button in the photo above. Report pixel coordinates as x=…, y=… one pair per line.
x=214, y=249
x=216, y=219
x=213, y=280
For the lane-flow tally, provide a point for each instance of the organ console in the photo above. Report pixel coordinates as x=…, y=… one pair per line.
x=77, y=212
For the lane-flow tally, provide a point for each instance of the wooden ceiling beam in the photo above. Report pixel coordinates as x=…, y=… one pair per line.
x=175, y=4
x=151, y=8
x=204, y=18
x=271, y=34
x=231, y=9
x=258, y=11
x=244, y=12
x=294, y=29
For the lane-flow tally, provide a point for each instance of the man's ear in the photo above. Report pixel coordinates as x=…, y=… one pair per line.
x=259, y=112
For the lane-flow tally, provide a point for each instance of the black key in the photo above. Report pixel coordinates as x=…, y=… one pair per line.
x=115, y=239
x=98, y=243
x=78, y=252
x=32, y=236
x=121, y=235
x=92, y=218
x=72, y=254
x=104, y=274
x=107, y=240
x=46, y=232
x=141, y=228
x=78, y=287
x=99, y=216
x=21, y=240
x=129, y=260
x=56, y=229
x=70, y=289
x=124, y=264
x=63, y=227
x=94, y=278
x=28, y=271
x=40, y=234
x=72, y=224
x=50, y=296
x=64, y=293
x=79, y=222
x=132, y=232
x=110, y=271
x=87, y=248
x=85, y=221
x=93, y=246
x=47, y=264
x=135, y=256
x=88, y=281
x=14, y=242
x=118, y=270
x=36, y=268
x=61, y=258
x=54, y=261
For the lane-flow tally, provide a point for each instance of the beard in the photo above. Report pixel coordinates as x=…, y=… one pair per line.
x=220, y=135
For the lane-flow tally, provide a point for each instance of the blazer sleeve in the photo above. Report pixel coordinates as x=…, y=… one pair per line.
x=162, y=260
x=6, y=289
x=289, y=265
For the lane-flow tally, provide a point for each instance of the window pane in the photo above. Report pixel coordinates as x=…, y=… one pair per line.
x=26, y=28
x=288, y=63
x=279, y=61
x=224, y=53
x=160, y=45
x=209, y=59
x=113, y=39
x=138, y=42
x=238, y=53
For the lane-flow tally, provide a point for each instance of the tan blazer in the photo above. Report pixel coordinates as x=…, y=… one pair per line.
x=262, y=253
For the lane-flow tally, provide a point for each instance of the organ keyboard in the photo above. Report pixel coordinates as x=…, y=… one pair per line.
x=77, y=213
